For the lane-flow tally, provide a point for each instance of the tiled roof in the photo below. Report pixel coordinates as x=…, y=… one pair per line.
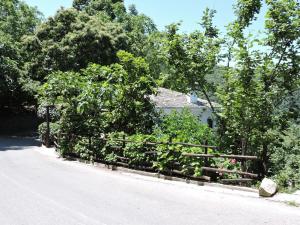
x=167, y=98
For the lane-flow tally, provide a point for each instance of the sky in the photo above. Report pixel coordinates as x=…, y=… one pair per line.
x=165, y=12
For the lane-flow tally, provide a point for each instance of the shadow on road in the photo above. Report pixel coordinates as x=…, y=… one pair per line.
x=17, y=143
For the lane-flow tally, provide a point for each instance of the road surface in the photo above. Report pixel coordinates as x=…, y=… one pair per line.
x=39, y=189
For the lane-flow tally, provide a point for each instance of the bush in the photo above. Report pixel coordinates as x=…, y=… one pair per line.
x=285, y=159
x=184, y=127
x=54, y=130
x=137, y=149
x=83, y=148
x=181, y=127
x=109, y=151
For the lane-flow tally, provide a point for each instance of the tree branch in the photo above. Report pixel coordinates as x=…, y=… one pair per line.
x=210, y=103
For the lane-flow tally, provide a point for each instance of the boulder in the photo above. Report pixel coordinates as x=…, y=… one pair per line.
x=267, y=188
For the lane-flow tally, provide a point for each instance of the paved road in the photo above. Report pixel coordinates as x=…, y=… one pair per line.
x=39, y=189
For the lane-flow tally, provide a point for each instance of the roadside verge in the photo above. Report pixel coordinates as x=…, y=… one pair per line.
x=290, y=199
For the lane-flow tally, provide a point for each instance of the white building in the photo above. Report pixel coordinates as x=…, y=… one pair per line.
x=167, y=100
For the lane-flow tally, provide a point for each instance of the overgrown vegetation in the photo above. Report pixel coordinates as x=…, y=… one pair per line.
x=285, y=158
x=16, y=20
x=140, y=150
x=103, y=98
x=98, y=63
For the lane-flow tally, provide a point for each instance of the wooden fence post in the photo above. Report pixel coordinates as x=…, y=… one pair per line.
x=206, y=152
x=123, y=142
x=205, y=159
x=243, y=163
x=48, y=127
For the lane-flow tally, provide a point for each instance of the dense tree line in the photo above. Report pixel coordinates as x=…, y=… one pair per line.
x=98, y=55
x=16, y=20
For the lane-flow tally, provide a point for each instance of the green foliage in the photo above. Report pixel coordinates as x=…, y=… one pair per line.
x=246, y=10
x=54, y=131
x=103, y=99
x=84, y=149
x=91, y=32
x=93, y=7
x=139, y=28
x=210, y=30
x=112, y=146
x=191, y=57
x=285, y=158
x=70, y=41
x=265, y=76
x=16, y=20
x=10, y=72
x=182, y=127
x=137, y=149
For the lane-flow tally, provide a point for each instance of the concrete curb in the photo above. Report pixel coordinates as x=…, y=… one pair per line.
x=290, y=199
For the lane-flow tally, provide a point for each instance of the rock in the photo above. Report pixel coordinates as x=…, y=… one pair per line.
x=267, y=188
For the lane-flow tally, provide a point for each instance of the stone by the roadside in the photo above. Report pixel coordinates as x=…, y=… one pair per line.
x=267, y=188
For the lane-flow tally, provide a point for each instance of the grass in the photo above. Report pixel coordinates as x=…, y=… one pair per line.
x=292, y=203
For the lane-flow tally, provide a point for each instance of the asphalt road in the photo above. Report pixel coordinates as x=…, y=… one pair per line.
x=39, y=189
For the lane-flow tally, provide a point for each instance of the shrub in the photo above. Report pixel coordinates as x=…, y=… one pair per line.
x=83, y=148
x=54, y=130
x=102, y=99
x=112, y=145
x=137, y=149
x=285, y=159
x=182, y=127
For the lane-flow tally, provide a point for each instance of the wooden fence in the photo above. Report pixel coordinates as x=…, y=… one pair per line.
x=207, y=169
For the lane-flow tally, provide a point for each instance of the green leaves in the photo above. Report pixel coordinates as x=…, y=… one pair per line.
x=184, y=127
x=16, y=20
x=264, y=76
x=285, y=157
x=246, y=10
x=190, y=58
x=122, y=90
x=70, y=41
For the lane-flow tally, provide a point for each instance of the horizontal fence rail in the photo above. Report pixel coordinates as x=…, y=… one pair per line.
x=124, y=161
x=161, y=143
x=221, y=156
x=229, y=171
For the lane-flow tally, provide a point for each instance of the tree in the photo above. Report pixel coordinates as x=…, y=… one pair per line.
x=139, y=27
x=10, y=72
x=103, y=98
x=261, y=80
x=16, y=20
x=91, y=32
x=92, y=7
x=70, y=41
x=285, y=157
x=191, y=57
